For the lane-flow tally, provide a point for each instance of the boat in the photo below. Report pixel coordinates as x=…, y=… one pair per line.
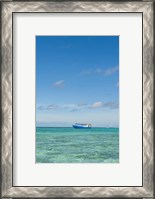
x=81, y=126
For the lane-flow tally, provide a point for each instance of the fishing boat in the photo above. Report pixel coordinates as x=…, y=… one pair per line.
x=81, y=126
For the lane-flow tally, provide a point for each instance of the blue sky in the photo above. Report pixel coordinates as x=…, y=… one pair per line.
x=77, y=80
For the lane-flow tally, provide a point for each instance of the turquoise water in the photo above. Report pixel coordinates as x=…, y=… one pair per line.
x=69, y=145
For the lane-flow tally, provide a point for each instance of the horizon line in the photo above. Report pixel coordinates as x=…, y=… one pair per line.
x=72, y=127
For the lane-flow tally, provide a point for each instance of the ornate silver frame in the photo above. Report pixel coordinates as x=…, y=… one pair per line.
x=7, y=9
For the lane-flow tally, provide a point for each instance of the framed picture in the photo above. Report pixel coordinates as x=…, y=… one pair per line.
x=77, y=99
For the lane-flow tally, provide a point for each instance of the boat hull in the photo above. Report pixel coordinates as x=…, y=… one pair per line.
x=81, y=127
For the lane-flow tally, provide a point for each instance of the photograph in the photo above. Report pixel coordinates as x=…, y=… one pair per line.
x=77, y=99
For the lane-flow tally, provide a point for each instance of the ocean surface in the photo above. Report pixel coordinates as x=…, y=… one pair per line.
x=69, y=145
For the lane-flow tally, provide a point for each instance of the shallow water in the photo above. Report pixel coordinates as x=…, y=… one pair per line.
x=69, y=145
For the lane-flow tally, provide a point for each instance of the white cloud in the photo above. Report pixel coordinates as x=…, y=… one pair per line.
x=74, y=110
x=52, y=107
x=81, y=104
x=110, y=71
x=68, y=106
x=59, y=84
x=99, y=71
x=111, y=105
x=41, y=108
x=97, y=104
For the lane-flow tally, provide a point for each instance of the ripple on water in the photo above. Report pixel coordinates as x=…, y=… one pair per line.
x=68, y=145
